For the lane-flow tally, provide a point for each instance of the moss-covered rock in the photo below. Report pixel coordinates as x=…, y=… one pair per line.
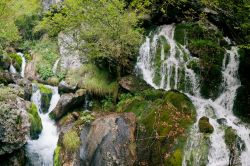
x=16, y=60
x=35, y=120
x=205, y=126
x=56, y=157
x=163, y=120
x=46, y=95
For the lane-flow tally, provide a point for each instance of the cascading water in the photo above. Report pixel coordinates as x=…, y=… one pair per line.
x=12, y=69
x=23, y=63
x=40, y=152
x=55, y=66
x=163, y=64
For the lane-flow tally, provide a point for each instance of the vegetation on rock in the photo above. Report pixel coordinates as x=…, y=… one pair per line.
x=35, y=120
x=205, y=126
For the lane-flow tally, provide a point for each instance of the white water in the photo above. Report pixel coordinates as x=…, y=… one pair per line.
x=40, y=152
x=55, y=66
x=173, y=62
x=12, y=69
x=23, y=63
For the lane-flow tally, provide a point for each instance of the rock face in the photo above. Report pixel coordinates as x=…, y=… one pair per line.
x=63, y=87
x=14, y=124
x=70, y=56
x=67, y=102
x=48, y=3
x=109, y=140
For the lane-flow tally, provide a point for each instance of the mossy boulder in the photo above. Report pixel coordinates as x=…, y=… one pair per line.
x=16, y=61
x=205, y=126
x=46, y=95
x=35, y=121
x=163, y=121
x=5, y=62
x=56, y=157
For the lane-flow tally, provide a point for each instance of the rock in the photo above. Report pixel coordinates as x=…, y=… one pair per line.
x=14, y=122
x=222, y=121
x=17, y=158
x=30, y=70
x=70, y=55
x=109, y=140
x=54, y=81
x=63, y=87
x=132, y=83
x=46, y=95
x=205, y=126
x=47, y=3
x=67, y=103
x=8, y=78
x=4, y=62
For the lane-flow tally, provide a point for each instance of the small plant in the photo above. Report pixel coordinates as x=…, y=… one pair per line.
x=71, y=140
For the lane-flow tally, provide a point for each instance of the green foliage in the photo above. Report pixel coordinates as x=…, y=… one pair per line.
x=109, y=29
x=108, y=104
x=16, y=60
x=7, y=93
x=45, y=71
x=205, y=126
x=86, y=117
x=93, y=79
x=71, y=140
x=35, y=120
x=57, y=161
x=44, y=89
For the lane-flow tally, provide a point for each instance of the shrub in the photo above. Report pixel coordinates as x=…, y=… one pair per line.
x=71, y=140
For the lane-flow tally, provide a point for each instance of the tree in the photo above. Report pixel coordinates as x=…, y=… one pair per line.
x=109, y=30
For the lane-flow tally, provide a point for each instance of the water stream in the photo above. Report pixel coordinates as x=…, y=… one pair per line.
x=23, y=63
x=40, y=152
x=55, y=66
x=171, y=71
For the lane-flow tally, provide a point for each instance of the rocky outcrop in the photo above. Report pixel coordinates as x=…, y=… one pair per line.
x=17, y=158
x=63, y=87
x=70, y=55
x=132, y=83
x=14, y=122
x=100, y=139
x=47, y=3
x=109, y=140
x=67, y=103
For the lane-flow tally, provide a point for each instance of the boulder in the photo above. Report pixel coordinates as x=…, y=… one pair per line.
x=222, y=121
x=205, y=126
x=67, y=103
x=4, y=62
x=64, y=87
x=17, y=158
x=109, y=140
x=132, y=83
x=30, y=70
x=14, y=122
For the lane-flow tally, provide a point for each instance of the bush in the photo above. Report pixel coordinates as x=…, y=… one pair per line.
x=71, y=140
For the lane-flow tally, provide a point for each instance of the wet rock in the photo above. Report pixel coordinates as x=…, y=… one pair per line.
x=4, y=62
x=67, y=103
x=205, y=126
x=132, y=83
x=63, y=87
x=222, y=121
x=14, y=122
x=46, y=95
x=109, y=140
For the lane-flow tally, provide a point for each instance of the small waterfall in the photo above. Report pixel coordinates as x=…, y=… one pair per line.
x=171, y=70
x=40, y=152
x=23, y=63
x=12, y=69
x=55, y=66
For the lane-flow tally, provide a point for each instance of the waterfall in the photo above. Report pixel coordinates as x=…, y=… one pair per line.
x=12, y=69
x=164, y=65
x=40, y=152
x=23, y=63
x=55, y=66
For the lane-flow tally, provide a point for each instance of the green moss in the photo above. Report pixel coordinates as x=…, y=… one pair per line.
x=57, y=160
x=175, y=159
x=230, y=137
x=162, y=124
x=180, y=32
x=46, y=95
x=205, y=126
x=93, y=79
x=16, y=61
x=36, y=123
x=71, y=140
